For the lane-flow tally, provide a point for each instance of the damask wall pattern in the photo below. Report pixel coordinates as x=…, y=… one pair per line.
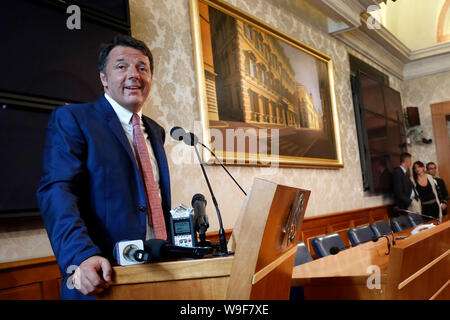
x=165, y=27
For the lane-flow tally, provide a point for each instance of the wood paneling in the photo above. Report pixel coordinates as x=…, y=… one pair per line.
x=340, y=222
x=439, y=114
x=419, y=266
x=30, y=279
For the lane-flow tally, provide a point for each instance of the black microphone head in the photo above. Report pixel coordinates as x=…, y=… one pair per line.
x=190, y=139
x=154, y=246
x=334, y=250
x=177, y=133
x=197, y=197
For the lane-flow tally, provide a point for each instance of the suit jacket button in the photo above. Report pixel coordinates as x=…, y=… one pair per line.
x=142, y=208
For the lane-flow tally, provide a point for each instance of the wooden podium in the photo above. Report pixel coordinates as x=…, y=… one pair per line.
x=264, y=240
x=418, y=267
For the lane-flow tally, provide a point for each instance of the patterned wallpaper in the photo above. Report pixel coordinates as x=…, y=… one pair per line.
x=165, y=27
x=422, y=93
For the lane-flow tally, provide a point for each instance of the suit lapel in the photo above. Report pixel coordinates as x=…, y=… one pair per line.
x=114, y=124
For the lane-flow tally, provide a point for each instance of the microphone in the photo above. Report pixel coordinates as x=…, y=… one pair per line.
x=397, y=209
x=128, y=252
x=375, y=239
x=201, y=223
x=162, y=249
x=192, y=140
x=178, y=133
x=335, y=250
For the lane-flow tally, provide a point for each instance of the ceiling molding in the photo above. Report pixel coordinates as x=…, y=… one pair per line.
x=385, y=38
x=439, y=49
x=386, y=50
x=365, y=45
x=347, y=11
x=353, y=25
x=427, y=66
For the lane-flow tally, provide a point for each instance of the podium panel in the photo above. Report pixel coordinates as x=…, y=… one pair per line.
x=266, y=241
x=173, y=280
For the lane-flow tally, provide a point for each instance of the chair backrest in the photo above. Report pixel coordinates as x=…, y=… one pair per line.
x=380, y=228
x=416, y=219
x=400, y=223
x=323, y=244
x=360, y=235
x=302, y=255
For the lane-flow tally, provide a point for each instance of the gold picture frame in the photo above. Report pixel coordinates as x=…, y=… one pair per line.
x=265, y=98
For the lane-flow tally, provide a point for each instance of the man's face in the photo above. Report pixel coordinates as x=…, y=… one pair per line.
x=407, y=163
x=432, y=169
x=128, y=77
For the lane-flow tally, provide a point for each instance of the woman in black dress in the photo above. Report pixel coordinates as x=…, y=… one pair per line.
x=426, y=189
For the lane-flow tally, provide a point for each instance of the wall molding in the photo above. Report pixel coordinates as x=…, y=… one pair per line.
x=383, y=48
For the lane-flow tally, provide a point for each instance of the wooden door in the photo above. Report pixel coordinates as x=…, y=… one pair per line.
x=440, y=113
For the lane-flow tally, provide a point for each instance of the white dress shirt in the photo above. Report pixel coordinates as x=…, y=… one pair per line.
x=125, y=116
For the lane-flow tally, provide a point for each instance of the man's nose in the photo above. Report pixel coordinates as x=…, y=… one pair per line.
x=133, y=72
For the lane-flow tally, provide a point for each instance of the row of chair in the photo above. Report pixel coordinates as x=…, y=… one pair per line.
x=322, y=245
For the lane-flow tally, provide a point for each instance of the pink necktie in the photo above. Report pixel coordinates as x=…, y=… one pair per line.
x=154, y=211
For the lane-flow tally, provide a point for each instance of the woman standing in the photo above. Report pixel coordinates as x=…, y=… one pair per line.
x=426, y=189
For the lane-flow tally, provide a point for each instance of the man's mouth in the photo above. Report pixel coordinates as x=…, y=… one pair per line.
x=133, y=88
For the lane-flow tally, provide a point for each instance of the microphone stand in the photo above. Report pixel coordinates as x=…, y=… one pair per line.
x=220, y=162
x=222, y=237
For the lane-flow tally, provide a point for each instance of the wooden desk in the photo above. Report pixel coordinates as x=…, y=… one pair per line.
x=172, y=280
x=425, y=257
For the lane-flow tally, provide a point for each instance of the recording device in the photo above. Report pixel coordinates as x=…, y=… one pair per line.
x=130, y=252
x=182, y=226
x=201, y=223
x=158, y=249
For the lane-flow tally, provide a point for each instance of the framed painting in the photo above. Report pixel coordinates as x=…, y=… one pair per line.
x=265, y=98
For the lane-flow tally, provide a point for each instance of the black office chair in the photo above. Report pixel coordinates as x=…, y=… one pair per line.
x=360, y=235
x=302, y=256
x=400, y=223
x=415, y=219
x=380, y=228
x=323, y=244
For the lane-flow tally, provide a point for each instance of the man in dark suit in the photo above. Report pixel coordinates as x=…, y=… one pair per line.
x=94, y=187
x=440, y=186
x=405, y=195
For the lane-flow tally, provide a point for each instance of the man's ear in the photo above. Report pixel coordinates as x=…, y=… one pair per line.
x=104, y=79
